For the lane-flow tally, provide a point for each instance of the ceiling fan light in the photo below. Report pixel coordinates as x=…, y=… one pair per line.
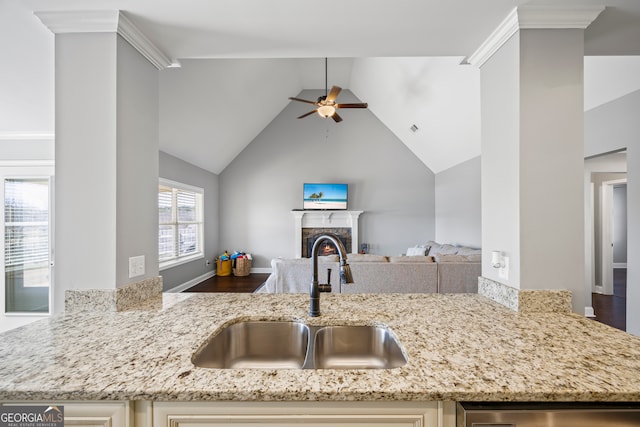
x=326, y=111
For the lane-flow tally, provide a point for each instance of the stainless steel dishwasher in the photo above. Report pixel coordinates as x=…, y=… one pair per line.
x=548, y=414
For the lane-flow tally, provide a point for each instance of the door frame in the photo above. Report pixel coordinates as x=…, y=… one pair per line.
x=606, y=235
x=28, y=169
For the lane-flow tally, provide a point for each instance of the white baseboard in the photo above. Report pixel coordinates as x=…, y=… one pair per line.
x=191, y=282
x=261, y=270
x=619, y=265
x=588, y=312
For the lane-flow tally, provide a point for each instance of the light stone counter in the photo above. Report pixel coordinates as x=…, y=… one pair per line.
x=460, y=347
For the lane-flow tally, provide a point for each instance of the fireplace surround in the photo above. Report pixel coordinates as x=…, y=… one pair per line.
x=312, y=223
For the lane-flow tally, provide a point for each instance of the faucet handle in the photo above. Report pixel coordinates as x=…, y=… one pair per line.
x=326, y=287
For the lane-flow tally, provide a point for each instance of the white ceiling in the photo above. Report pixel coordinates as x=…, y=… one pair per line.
x=406, y=65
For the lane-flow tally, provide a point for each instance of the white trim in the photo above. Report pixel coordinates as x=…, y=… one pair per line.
x=261, y=270
x=142, y=44
x=30, y=136
x=174, y=262
x=534, y=17
x=588, y=312
x=619, y=265
x=180, y=185
x=503, y=32
x=192, y=282
x=104, y=21
x=557, y=17
x=27, y=163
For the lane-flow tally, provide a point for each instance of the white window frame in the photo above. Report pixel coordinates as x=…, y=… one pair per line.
x=178, y=260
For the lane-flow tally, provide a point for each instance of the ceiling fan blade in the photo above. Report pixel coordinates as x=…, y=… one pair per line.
x=302, y=100
x=354, y=105
x=333, y=94
x=308, y=114
x=336, y=118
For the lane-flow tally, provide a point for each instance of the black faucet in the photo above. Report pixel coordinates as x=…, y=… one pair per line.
x=345, y=272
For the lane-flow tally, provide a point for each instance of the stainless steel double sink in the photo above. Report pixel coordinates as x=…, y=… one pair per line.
x=295, y=345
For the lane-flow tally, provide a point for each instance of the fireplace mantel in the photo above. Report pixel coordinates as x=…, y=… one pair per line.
x=325, y=219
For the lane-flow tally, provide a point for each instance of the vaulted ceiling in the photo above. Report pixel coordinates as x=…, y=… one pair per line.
x=242, y=59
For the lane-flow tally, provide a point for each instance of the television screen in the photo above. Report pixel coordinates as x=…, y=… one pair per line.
x=325, y=196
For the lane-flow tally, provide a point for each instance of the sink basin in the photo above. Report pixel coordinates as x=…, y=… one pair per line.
x=256, y=344
x=357, y=347
x=294, y=345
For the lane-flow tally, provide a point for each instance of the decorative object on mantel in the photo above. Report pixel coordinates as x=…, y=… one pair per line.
x=326, y=104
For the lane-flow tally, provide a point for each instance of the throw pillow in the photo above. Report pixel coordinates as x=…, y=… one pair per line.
x=416, y=251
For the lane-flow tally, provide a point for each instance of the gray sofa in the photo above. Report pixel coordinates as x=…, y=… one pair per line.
x=432, y=272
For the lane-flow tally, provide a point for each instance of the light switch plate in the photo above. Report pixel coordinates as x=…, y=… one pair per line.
x=136, y=266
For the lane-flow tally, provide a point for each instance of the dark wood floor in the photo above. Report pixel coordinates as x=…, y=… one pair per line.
x=612, y=309
x=245, y=284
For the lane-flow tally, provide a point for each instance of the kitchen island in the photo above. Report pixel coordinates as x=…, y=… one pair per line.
x=459, y=347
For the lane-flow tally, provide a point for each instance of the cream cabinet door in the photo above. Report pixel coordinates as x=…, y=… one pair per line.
x=297, y=414
x=90, y=414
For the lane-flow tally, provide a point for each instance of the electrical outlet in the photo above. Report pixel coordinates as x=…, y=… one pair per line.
x=208, y=262
x=136, y=266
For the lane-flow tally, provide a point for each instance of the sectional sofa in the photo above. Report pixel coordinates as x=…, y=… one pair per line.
x=432, y=268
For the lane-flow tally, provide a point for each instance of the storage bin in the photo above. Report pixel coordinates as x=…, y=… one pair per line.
x=223, y=267
x=243, y=267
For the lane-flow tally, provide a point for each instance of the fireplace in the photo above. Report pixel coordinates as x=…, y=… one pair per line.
x=314, y=223
x=309, y=236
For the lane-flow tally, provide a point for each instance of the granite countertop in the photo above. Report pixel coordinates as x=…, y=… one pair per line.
x=459, y=347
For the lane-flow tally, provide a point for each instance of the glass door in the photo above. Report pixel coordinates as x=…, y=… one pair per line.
x=26, y=250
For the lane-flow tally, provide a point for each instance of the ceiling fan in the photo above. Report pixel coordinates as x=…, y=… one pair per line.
x=327, y=104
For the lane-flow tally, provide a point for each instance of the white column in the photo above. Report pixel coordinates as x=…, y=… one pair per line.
x=533, y=148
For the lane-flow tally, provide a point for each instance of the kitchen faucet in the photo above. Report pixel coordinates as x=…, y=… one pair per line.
x=345, y=272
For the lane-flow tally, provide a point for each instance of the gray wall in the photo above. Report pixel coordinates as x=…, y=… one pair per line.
x=137, y=164
x=500, y=160
x=26, y=78
x=611, y=127
x=263, y=184
x=458, y=204
x=178, y=170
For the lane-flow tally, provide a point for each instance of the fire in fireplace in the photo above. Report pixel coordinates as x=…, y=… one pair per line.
x=309, y=236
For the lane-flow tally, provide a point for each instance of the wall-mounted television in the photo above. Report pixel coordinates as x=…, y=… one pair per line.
x=324, y=196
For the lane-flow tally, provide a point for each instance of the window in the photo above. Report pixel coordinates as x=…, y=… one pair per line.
x=181, y=226
x=26, y=245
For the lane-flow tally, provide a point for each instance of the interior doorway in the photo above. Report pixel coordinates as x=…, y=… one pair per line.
x=613, y=231
x=606, y=236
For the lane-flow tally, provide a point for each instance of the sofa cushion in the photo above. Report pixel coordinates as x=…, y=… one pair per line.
x=366, y=258
x=443, y=250
x=457, y=258
x=473, y=257
x=328, y=258
x=403, y=259
x=463, y=250
x=450, y=258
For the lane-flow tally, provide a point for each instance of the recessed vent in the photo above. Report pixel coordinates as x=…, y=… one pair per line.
x=414, y=128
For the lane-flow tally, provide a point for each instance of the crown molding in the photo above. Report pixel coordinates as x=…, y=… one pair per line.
x=534, y=17
x=141, y=43
x=104, y=21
